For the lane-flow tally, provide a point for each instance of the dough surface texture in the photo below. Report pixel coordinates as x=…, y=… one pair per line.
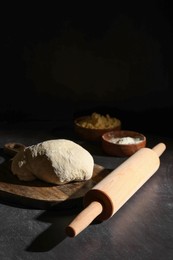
x=56, y=161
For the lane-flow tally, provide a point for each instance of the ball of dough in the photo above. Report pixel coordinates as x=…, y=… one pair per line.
x=57, y=161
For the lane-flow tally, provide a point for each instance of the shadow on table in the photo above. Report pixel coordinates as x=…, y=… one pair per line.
x=55, y=234
x=59, y=216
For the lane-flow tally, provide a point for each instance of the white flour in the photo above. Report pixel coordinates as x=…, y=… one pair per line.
x=125, y=140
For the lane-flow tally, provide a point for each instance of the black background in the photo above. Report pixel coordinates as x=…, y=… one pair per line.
x=58, y=61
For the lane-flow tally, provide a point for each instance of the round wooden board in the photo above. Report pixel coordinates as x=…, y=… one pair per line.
x=42, y=195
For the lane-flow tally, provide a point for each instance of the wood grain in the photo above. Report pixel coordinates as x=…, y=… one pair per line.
x=111, y=193
x=39, y=194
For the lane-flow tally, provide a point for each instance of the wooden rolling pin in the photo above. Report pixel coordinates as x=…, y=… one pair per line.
x=110, y=194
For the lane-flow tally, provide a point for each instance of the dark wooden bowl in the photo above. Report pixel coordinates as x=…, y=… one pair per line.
x=92, y=134
x=122, y=150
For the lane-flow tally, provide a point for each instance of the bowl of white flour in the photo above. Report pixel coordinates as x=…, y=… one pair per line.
x=122, y=143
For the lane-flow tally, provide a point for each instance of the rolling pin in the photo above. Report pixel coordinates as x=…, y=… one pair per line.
x=111, y=193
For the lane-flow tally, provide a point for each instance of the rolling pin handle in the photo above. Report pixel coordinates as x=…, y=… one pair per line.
x=159, y=149
x=84, y=219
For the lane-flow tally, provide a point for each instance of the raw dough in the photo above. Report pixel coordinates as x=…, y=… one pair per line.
x=54, y=161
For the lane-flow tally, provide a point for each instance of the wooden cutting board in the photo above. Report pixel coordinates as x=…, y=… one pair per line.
x=42, y=195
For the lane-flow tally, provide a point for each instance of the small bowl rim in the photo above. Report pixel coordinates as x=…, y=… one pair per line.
x=123, y=150
x=108, y=129
x=138, y=134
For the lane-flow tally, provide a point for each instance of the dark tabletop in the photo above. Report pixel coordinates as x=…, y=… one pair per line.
x=141, y=229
